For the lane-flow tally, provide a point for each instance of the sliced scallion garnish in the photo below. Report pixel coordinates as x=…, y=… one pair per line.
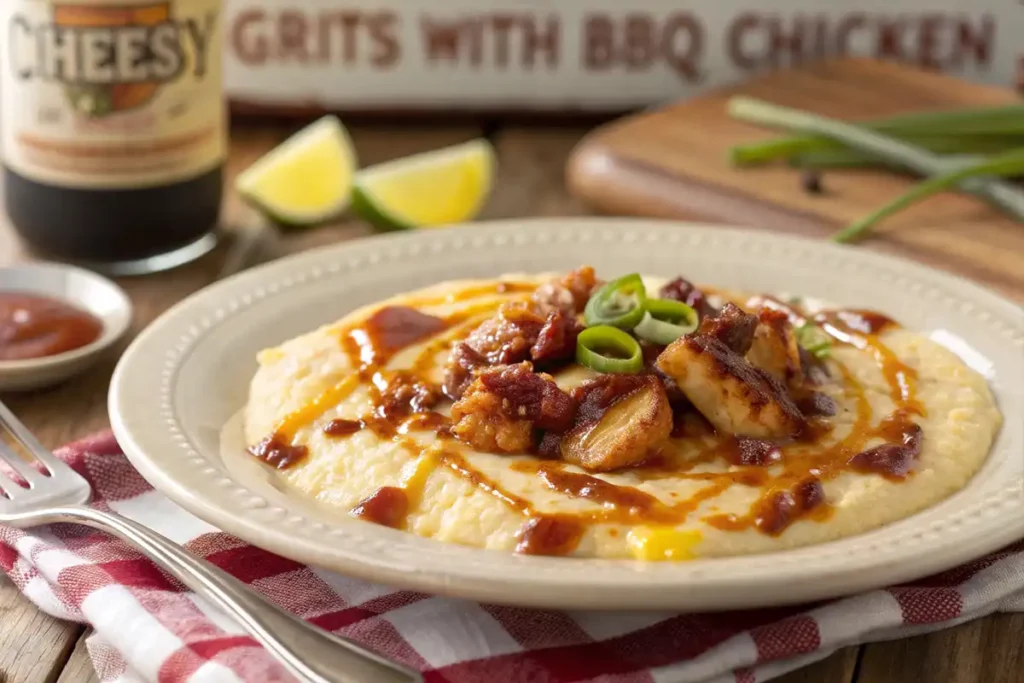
x=666, y=320
x=814, y=340
x=619, y=303
x=608, y=349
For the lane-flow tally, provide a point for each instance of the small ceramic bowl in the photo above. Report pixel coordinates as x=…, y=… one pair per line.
x=81, y=288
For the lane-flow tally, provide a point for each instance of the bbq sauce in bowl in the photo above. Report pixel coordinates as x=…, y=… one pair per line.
x=34, y=326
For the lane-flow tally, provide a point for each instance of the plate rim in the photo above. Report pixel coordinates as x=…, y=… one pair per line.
x=529, y=590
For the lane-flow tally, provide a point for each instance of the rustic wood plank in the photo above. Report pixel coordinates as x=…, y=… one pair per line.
x=33, y=646
x=531, y=172
x=79, y=668
x=836, y=668
x=989, y=650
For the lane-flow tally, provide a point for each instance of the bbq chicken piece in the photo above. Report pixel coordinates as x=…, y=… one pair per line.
x=732, y=326
x=503, y=408
x=508, y=336
x=732, y=394
x=478, y=420
x=556, y=341
x=505, y=338
x=459, y=370
x=775, y=349
x=621, y=419
x=542, y=329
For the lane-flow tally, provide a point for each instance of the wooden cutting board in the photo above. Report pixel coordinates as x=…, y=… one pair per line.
x=671, y=163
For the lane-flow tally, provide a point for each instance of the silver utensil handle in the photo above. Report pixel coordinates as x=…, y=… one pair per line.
x=309, y=653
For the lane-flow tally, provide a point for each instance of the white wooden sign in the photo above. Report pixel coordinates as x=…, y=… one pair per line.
x=585, y=54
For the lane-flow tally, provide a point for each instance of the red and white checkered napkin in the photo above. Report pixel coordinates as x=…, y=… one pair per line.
x=149, y=628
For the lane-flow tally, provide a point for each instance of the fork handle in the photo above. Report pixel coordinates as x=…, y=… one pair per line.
x=309, y=653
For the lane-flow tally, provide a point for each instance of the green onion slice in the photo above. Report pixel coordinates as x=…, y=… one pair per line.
x=814, y=340
x=619, y=303
x=608, y=349
x=665, y=321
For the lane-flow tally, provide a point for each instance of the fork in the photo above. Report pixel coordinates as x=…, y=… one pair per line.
x=61, y=495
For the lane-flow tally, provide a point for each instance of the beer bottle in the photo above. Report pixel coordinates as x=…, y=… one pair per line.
x=113, y=129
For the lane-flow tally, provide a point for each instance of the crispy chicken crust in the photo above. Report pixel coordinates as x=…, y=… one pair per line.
x=618, y=429
x=732, y=326
x=479, y=420
x=732, y=394
x=503, y=408
x=775, y=349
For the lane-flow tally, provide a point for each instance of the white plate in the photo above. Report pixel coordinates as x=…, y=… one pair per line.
x=187, y=375
x=82, y=288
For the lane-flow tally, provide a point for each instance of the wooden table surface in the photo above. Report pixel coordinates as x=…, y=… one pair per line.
x=35, y=648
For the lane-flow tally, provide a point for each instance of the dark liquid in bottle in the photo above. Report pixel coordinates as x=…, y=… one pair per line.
x=113, y=226
x=112, y=129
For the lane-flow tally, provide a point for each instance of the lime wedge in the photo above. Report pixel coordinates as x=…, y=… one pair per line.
x=305, y=180
x=426, y=190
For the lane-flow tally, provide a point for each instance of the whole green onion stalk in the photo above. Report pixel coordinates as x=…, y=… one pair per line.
x=883, y=147
x=961, y=131
x=1008, y=164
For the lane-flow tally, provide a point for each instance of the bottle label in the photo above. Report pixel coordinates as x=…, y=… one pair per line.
x=111, y=93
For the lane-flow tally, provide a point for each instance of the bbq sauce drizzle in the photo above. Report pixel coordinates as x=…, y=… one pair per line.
x=785, y=497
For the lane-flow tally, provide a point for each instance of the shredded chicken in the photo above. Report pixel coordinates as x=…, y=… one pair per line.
x=733, y=395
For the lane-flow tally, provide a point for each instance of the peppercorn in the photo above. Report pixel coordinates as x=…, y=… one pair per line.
x=810, y=180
